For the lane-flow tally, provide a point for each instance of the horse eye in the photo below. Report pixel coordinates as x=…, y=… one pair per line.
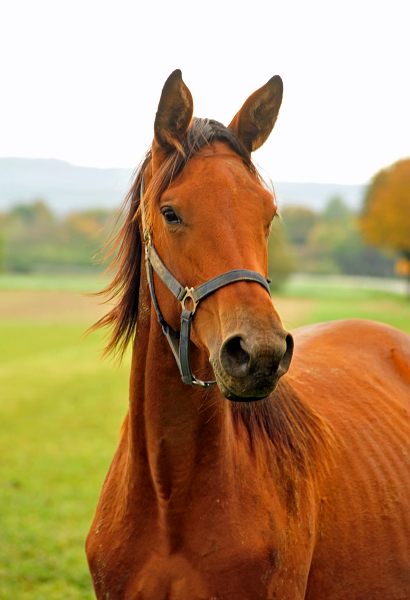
x=171, y=218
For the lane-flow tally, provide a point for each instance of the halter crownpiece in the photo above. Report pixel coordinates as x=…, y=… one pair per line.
x=195, y=295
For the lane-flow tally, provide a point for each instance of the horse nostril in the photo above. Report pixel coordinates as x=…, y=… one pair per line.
x=287, y=357
x=234, y=358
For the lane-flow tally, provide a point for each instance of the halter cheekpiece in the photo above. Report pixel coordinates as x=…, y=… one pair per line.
x=179, y=340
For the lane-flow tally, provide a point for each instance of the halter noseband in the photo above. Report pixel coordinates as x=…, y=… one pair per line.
x=195, y=295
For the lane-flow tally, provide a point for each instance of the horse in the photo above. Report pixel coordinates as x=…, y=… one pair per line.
x=253, y=463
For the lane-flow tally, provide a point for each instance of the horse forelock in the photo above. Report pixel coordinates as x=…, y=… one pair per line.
x=202, y=132
x=124, y=247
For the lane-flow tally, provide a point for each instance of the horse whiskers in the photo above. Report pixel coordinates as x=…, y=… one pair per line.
x=212, y=416
x=208, y=403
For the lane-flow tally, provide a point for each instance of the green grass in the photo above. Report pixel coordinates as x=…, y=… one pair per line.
x=393, y=311
x=60, y=412
x=332, y=302
x=53, y=282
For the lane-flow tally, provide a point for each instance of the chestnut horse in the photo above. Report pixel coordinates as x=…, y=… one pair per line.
x=280, y=480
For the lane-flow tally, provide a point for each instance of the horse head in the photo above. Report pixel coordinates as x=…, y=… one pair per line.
x=209, y=214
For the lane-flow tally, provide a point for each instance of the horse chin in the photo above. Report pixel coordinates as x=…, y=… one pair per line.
x=245, y=391
x=237, y=396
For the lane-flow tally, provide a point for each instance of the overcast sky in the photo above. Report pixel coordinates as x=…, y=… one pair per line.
x=81, y=79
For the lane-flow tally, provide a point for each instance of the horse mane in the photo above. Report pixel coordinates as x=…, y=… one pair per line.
x=125, y=246
x=302, y=440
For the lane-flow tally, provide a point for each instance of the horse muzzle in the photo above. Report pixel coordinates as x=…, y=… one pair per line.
x=249, y=364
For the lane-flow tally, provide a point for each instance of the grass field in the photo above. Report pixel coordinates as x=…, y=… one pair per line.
x=60, y=412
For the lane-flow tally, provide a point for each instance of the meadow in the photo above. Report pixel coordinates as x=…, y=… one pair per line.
x=61, y=408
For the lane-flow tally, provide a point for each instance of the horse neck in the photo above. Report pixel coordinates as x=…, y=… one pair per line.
x=173, y=426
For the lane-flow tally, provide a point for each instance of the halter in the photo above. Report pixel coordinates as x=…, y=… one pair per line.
x=195, y=295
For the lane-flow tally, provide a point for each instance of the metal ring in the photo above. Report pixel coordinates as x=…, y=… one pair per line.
x=189, y=296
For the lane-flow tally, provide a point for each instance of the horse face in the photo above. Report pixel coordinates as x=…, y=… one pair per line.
x=215, y=217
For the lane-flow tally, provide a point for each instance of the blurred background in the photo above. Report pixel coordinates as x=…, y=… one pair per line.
x=80, y=86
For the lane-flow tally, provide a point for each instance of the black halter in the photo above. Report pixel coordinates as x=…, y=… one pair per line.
x=153, y=262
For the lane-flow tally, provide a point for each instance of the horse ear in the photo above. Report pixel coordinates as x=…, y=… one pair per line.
x=174, y=113
x=255, y=120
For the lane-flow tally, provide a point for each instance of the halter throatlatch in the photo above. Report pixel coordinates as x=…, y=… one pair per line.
x=179, y=340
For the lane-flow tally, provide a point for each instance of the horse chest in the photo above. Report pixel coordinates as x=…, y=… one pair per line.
x=216, y=548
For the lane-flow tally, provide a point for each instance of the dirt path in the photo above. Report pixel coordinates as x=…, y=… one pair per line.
x=50, y=307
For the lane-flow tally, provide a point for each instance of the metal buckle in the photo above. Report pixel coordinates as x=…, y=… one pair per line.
x=204, y=385
x=189, y=295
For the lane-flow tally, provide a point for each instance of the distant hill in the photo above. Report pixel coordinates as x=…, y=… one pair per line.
x=65, y=187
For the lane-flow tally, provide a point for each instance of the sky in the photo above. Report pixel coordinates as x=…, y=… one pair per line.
x=81, y=79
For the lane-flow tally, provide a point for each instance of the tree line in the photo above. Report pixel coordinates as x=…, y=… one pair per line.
x=331, y=242
x=374, y=242
x=33, y=238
